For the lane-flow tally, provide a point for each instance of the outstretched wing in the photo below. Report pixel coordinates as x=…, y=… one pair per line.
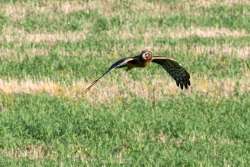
x=118, y=64
x=179, y=73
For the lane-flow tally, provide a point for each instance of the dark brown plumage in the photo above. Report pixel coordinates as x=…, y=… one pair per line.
x=176, y=71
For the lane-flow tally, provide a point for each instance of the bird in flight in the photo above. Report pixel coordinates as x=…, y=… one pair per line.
x=176, y=71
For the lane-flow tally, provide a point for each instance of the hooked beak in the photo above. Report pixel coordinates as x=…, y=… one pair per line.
x=148, y=58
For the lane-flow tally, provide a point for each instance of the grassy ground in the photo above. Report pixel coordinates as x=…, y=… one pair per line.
x=51, y=50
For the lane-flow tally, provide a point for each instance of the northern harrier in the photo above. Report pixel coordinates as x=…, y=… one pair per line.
x=176, y=71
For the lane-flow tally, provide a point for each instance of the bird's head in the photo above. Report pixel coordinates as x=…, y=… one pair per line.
x=146, y=54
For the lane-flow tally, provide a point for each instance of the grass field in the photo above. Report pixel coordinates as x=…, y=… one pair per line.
x=50, y=51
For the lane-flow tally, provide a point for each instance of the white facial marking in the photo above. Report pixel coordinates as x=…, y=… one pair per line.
x=146, y=55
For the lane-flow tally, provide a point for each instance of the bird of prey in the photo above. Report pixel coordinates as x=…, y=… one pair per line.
x=176, y=71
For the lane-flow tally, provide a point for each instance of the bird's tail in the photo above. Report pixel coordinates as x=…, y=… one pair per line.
x=95, y=81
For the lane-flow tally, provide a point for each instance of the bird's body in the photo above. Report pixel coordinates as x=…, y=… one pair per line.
x=178, y=73
x=137, y=62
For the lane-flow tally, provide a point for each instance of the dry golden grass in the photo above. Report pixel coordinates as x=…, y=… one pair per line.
x=223, y=50
x=208, y=3
x=11, y=34
x=72, y=6
x=40, y=152
x=55, y=37
x=157, y=8
x=29, y=86
x=161, y=137
x=194, y=138
x=108, y=7
x=76, y=90
x=213, y=140
x=205, y=32
x=93, y=53
x=34, y=152
x=14, y=11
x=19, y=10
x=107, y=91
x=30, y=52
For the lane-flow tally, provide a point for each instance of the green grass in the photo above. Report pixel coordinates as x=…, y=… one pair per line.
x=196, y=131
x=43, y=22
x=205, y=126
x=235, y=17
x=3, y=22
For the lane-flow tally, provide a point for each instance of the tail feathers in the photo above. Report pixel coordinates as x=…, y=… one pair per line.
x=95, y=81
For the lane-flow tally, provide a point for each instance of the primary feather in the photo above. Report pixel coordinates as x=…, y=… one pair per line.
x=179, y=73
